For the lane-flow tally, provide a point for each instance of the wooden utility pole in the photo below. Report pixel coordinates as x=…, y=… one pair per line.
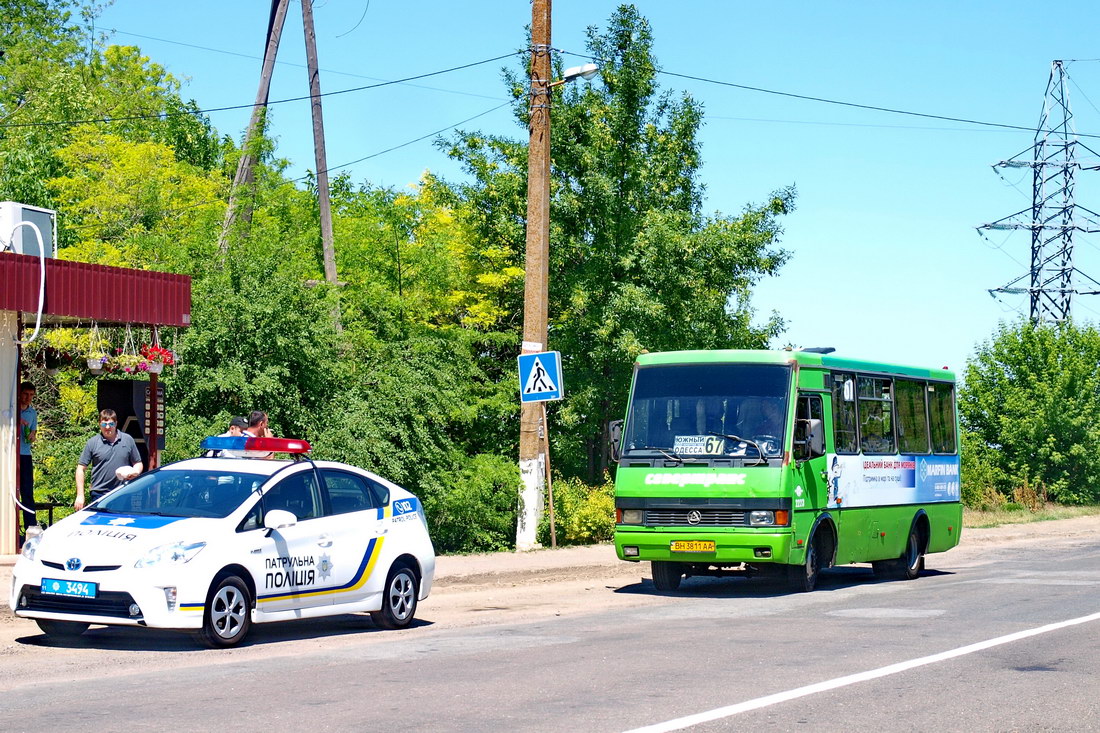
x=535, y=293
x=245, y=165
x=327, y=248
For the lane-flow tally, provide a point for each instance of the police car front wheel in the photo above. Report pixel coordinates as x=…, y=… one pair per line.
x=228, y=613
x=398, y=599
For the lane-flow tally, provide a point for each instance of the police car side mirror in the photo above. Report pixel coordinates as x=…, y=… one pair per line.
x=278, y=519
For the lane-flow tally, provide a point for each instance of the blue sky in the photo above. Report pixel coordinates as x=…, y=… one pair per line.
x=885, y=262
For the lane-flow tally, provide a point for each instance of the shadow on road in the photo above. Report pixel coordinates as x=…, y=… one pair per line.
x=765, y=585
x=131, y=638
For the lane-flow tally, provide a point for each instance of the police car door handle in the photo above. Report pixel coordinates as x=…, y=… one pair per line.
x=325, y=540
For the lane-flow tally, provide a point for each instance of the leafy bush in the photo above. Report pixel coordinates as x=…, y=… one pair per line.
x=981, y=476
x=1031, y=400
x=475, y=509
x=583, y=514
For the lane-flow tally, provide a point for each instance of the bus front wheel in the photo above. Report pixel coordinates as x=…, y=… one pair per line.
x=803, y=578
x=666, y=575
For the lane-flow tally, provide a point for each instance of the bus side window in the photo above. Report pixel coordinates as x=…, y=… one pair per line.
x=844, y=414
x=876, y=411
x=912, y=417
x=941, y=404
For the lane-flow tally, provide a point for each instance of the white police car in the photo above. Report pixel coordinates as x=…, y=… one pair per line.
x=215, y=544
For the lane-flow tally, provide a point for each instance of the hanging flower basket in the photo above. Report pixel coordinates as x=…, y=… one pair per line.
x=97, y=356
x=157, y=357
x=97, y=364
x=128, y=363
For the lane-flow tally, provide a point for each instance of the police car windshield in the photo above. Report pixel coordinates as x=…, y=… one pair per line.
x=183, y=493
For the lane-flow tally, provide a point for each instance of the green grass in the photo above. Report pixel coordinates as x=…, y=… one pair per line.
x=1016, y=514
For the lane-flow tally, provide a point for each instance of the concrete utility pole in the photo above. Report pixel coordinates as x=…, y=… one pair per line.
x=247, y=160
x=327, y=248
x=535, y=295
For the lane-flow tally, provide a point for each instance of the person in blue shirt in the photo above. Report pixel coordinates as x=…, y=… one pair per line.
x=28, y=433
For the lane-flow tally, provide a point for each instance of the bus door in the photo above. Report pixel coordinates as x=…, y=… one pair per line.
x=812, y=465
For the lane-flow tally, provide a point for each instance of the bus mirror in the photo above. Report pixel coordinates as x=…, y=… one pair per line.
x=816, y=438
x=813, y=444
x=615, y=435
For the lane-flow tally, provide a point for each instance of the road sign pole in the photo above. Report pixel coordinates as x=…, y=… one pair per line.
x=549, y=479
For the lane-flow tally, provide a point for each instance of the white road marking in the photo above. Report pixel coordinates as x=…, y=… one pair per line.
x=762, y=702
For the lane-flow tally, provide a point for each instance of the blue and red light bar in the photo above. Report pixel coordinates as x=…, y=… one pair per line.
x=262, y=445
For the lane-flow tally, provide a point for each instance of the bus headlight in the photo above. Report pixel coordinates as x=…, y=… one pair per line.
x=768, y=518
x=631, y=516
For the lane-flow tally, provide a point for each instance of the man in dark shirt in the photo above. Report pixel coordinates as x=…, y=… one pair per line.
x=107, y=452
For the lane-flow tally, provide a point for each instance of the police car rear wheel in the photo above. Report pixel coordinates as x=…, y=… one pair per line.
x=398, y=599
x=62, y=629
x=228, y=613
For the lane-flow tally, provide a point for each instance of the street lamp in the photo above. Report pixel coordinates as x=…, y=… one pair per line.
x=535, y=295
x=584, y=71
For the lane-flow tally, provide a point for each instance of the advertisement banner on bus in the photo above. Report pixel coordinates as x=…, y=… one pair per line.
x=864, y=481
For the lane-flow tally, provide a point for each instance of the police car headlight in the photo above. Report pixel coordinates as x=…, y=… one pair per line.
x=31, y=543
x=176, y=553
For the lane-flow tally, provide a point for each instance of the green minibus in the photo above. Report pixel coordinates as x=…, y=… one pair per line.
x=743, y=461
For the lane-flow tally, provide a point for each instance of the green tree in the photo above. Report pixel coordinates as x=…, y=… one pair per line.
x=1031, y=401
x=55, y=77
x=635, y=263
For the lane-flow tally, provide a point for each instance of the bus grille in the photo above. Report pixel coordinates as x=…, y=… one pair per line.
x=107, y=603
x=707, y=518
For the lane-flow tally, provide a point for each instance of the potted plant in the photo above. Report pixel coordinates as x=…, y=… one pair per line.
x=156, y=358
x=97, y=363
x=128, y=363
x=96, y=355
x=54, y=360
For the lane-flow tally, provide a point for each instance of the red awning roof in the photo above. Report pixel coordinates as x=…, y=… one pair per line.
x=80, y=291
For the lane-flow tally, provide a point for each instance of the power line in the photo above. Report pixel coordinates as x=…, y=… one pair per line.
x=166, y=115
x=850, y=124
x=841, y=103
x=358, y=23
x=416, y=140
x=289, y=63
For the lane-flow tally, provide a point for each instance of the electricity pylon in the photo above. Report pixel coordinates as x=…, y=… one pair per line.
x=1054, y=215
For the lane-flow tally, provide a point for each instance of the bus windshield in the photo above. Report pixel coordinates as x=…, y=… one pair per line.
x=714, y=410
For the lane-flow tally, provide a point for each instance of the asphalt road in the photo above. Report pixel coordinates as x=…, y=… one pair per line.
x=597, y=649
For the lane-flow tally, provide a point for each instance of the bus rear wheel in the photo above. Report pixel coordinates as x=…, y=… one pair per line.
x=666, y=575
x=906, y=567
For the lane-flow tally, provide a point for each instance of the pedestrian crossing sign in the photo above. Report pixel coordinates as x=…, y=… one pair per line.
x=540, y=377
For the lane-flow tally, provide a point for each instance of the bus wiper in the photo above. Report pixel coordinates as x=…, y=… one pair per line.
x=663, y=451
x=737, y=438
